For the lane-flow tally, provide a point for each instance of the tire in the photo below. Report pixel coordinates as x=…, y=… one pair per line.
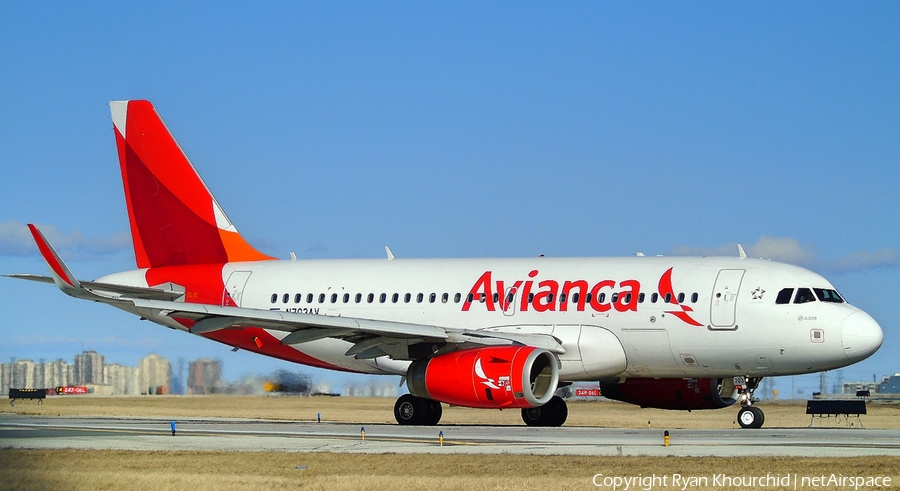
x=410, y=410
x=751, y=417
x=554, y=413
x=434, y=412
x=559, y=411
x=533, y=416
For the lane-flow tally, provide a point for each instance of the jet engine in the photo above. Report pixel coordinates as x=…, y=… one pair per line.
x=490, y=377
x=673, y=393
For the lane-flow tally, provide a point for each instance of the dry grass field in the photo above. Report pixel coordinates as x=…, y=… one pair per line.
x=784, y=414
x=27, y=470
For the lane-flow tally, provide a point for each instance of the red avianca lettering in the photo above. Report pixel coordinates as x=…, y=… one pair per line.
x=544, y=295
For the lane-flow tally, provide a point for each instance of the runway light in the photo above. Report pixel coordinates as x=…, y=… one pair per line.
x=301, y=467
x=318, y=417
x=173, y=428
x=666, y=437
x=441, y=437
x=362, y=433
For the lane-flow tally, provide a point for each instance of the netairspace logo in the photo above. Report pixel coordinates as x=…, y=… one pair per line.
x=641, y=482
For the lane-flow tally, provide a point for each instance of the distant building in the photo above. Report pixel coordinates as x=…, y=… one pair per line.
x=154, y=375
x=5, y=377
x=852, y=388
x=204, y=376
x=890, y=385
x=22, y=375
x=89, y=368
x=54, y=374
x=123, y=381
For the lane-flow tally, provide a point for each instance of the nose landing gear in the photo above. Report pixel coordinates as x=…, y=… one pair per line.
x=749, y=416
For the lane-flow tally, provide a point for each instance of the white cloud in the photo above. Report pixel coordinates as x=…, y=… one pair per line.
x=789, y=250
x=16, y=240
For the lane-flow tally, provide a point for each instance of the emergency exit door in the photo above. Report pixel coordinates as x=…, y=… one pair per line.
x=724, y=298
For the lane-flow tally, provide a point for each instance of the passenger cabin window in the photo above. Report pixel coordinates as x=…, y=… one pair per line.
x=297, y=297
x=640, y=298
x=370, y=298
x=784, y=296
x=457, y=297
x=831, y=296
x=804, y=295
x=286, y=297
x=406, y=298
x=575, y=297
x=346, y=297
x=358, y=297
x=654, y=297
x=274, y=297
x=445, y=297
x=433, y=297
x=382, y=298
x=681, y=297
x=334, y=298
x=420, y=297
x=309, y=297
x=395, y=297
x=694, y=297
x=321, y=298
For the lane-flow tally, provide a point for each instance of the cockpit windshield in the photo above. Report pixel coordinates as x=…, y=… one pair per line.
x=828, y=295
x=805, y=295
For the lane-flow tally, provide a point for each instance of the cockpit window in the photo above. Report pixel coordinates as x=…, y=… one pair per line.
x=828, y=295
x=784, y=296
x=804, y=295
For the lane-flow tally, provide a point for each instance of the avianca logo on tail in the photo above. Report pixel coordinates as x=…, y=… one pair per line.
x=549, y=295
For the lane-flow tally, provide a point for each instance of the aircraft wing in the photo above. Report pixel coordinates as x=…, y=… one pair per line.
x=371, y=338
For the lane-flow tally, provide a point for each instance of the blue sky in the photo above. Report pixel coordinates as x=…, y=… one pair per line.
x=456, y=130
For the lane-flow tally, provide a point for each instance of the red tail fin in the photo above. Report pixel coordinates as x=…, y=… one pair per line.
x=174, y=218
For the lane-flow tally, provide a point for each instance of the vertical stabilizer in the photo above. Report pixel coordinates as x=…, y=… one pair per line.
x=174, y=218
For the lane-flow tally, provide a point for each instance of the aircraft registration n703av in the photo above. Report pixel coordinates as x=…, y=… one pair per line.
x=665, y=332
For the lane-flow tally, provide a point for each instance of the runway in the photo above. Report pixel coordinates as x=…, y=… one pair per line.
x=264, y=435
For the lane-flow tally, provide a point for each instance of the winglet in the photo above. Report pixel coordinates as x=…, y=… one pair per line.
x=741, y=253
x=63, y=278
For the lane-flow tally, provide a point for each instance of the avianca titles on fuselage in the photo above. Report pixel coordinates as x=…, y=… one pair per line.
x=676, y=333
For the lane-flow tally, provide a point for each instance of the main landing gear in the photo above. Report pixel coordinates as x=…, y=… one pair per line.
x=554, y=413
x=750, y=416
x=419, y=411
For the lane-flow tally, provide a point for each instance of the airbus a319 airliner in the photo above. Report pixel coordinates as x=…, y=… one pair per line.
x=663, y=332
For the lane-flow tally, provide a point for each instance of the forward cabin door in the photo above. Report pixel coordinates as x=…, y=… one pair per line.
x=234, y=288
x=724, y=298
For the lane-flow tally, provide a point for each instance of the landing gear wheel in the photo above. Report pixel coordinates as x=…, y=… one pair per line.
x=434, y=412
x=409, y=410
x=554, y=413
x=418, y=411
x=751, y=417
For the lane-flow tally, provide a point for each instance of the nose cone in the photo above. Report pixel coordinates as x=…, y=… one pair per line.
x=861, y=336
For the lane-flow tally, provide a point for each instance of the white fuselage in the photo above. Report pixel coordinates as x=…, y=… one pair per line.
x=722, y=318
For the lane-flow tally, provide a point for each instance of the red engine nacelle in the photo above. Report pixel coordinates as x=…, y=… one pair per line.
x=491, y=377
x=672, y=393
